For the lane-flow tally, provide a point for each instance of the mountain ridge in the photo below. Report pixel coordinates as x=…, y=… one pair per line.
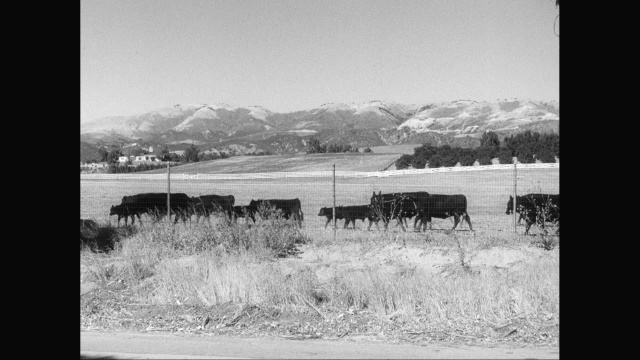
x=362, y=124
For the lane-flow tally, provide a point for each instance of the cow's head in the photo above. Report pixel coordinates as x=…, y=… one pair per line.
x=325, y=212
x=113, y=210
x=376, y=199
x=510, y=205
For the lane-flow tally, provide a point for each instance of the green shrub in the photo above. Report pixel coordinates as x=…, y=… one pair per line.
x=485, y=160
x=505, y=156
x=546, y=156
x=404, y=161
x=436, y=161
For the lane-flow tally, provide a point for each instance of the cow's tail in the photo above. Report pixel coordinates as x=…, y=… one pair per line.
x=301, y=214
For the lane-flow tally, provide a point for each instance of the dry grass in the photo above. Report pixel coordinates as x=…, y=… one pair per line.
x=365, y=273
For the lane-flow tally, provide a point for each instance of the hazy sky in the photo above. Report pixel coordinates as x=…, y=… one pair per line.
x=289, y=55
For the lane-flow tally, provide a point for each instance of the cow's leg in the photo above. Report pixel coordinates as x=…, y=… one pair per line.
x=456, y=220
x=529, y=223
x=466, y=217
x=401, y=224
x=327, y=223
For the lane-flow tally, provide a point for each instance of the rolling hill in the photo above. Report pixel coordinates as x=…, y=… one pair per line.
x=286, y=163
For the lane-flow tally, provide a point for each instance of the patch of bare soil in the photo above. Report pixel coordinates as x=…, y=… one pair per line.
x=111, y=305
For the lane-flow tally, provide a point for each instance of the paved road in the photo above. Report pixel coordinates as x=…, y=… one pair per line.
x=117, y=345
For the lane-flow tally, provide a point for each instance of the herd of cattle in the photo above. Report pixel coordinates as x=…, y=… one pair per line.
x=421, y=205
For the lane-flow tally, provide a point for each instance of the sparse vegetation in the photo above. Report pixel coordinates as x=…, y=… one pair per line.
x=212, y=267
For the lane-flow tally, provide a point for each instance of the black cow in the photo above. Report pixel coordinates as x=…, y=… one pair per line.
x=442, y=207
x=289, y=208
x=155, y=204
x=205, y=205
x=350, y=214
x=122, y=210
x=537, y=208
x=239, y=212
x=398, y=206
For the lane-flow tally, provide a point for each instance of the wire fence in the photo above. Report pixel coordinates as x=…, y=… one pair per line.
x=486, y=188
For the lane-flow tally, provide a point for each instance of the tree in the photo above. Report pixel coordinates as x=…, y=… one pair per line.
x=113, y=155
x=192, y=154
x=490, y=139
x=164, y=153
x=404, y=161
x=505, y=156
x=546, y=156
x=315, y=147
x=435, y=161
x=467, y=157
x=418, y=162
x=104, y=154
x=525, y=155
x=484, y=160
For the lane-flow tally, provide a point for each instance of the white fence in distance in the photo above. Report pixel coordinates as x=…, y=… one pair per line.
x=175, y=175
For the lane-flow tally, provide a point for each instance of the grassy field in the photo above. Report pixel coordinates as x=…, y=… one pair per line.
x=487, y=192
x=286, y=163
x=479, y=287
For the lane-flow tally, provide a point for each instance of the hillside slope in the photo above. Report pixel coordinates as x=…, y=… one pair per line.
x=285, y=163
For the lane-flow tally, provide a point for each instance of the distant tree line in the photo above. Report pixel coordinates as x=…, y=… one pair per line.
x=527, y=146
x=191, y=154
x=316, y=148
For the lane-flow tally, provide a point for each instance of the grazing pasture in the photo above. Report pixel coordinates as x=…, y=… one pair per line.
x=487, y=193
x=286, y=163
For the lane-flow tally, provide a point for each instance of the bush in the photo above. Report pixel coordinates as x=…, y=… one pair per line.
x=404, y=161
x=546, y=156
x=505, y=156
x=525, y=155
x=449, y=160
x=367, y=150
x=485, y=160
x=467, y=159
x=436, y=161
x=418, y=162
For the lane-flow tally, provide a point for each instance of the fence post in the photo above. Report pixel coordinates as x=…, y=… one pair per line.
x=515, y=186
x=168, y=193
x=334, y=202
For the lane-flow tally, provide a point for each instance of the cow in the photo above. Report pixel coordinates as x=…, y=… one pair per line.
x=289, y=207
x=536, y=208
x=155, y=204
x=205, y=205
x=398, y=206
x=350, y=213
x=444, y=206
x=239, y=212
x=122, y=210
